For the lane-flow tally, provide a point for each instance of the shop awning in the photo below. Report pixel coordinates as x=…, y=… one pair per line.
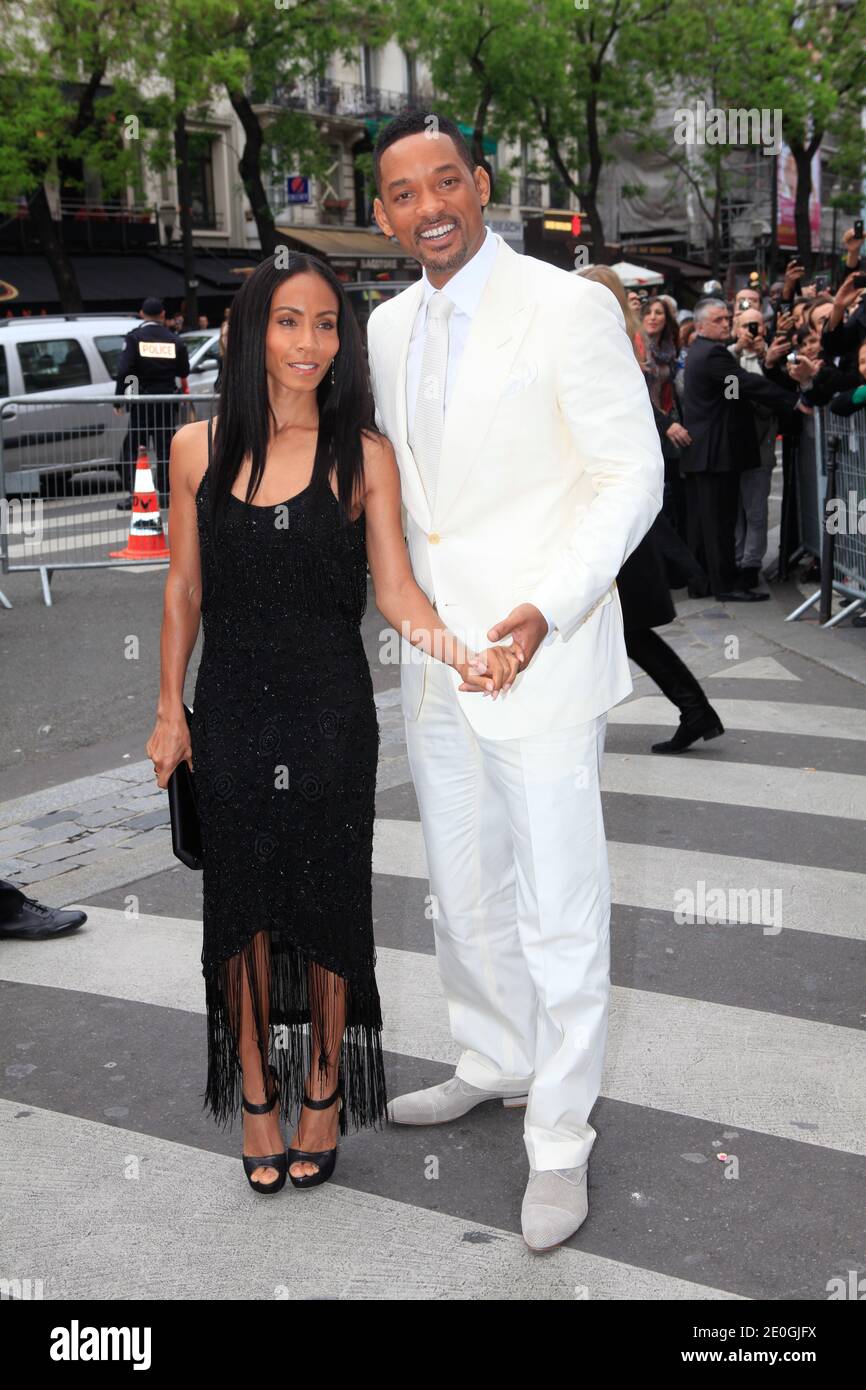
x=346, y=244
x=224, y=273
x=27, y=282
x=671, y=265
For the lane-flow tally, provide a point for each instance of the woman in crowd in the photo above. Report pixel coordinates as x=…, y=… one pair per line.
x=657, y=350
x=645, y=596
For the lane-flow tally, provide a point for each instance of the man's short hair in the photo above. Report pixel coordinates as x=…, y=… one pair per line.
x=703, y=307
x=417, y=123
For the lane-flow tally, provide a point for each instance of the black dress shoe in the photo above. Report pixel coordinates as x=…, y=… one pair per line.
x=36, y=921
x=748, y=576
x=743, y=596
x=704, y=723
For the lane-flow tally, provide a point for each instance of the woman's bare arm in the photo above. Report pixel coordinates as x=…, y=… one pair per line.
x=169, y=744
x=399, y=598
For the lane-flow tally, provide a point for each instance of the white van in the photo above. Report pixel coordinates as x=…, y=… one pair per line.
x=72, y=355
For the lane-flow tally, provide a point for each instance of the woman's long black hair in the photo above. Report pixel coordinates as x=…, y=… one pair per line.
x=245, y=413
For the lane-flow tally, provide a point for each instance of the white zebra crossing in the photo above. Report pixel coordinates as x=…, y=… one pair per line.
x=760, y=1071
x=145, y=1238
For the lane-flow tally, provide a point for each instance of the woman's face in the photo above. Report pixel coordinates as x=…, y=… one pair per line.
x=861, y=360
x=654, y=318
x=799, y=312
x=302, y=338
x=820, y=315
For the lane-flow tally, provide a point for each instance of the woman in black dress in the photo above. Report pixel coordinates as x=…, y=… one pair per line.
x=284, y=738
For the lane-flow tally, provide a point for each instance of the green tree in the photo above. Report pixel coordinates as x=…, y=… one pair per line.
x=65, y=94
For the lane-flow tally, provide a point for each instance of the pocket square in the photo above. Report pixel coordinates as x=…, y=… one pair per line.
x=521, y=375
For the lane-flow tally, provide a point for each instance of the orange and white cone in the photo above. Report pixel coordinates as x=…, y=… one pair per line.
x=146, y=536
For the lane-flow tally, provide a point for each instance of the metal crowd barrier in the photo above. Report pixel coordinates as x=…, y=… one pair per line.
x=831, y=493
x=65, y=463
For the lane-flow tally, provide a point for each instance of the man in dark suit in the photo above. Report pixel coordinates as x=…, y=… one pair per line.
x=718, y=414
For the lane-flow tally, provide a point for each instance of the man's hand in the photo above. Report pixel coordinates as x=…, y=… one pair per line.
x=777, y=350
x=803, y=370
x=527, y=627
x=851, y=245
x=793, y=275
x=119, y=409
x=847, y=292
x=491, y=671
x=679, y=435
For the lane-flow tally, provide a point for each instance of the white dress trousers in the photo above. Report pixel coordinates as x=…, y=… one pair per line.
x=521, y=896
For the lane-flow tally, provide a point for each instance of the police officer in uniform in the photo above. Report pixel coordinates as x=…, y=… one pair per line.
x=152, y=358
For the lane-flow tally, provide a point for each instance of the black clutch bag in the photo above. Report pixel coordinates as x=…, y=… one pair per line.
x=185, y=828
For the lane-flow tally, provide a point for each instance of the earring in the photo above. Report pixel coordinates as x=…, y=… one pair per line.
x=333, y=377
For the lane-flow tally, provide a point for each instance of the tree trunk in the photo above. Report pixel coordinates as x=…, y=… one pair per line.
x=590, y=193
x=184, y=195
x=249, y=166
x=803, y=160
x=716, y=245
x=55, y=252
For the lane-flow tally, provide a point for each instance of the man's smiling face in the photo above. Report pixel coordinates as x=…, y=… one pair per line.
x=432, y=202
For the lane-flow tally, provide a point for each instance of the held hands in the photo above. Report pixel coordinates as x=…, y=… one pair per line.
x=527, y=627
x=491, y=671
x=168, y=745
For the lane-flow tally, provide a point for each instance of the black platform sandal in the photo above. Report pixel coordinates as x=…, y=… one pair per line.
x=251, y=1162
x=326, y=1159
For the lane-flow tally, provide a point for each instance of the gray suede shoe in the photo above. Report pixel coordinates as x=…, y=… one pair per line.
x=447, y=1101
x=555, y=1205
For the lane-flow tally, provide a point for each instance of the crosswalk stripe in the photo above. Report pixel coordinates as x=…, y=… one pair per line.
x=827, y=901
x=736, y=784
x=761, y=716
x=347, y=1244
x=788, y=1077
x=760, y=668
x=90, y=540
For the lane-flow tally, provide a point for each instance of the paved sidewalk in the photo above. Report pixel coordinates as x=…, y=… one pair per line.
x=94, y=833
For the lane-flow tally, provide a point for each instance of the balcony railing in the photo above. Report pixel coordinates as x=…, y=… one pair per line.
x=80, y=210
x=531, y=193
x=327, y=98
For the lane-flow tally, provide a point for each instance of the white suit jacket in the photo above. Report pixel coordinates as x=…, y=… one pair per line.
x=551, y=473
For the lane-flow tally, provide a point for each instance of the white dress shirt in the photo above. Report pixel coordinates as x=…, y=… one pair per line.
x=464, y=290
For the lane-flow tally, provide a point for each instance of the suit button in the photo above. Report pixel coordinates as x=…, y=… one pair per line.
x=434, y=538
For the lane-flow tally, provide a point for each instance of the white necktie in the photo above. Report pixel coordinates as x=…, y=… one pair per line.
x=426, y=438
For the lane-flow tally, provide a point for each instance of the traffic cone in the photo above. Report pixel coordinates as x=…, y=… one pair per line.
x=146, y=536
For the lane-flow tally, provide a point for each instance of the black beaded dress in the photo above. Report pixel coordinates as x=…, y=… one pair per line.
x=284, y=749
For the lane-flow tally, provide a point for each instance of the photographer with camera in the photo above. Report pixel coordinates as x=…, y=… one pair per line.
x=750, y=533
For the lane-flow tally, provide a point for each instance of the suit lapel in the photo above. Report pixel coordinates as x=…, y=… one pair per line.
x=497, y=330
x=410, y=301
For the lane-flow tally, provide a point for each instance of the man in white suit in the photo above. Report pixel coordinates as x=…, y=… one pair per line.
x=530, y=468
